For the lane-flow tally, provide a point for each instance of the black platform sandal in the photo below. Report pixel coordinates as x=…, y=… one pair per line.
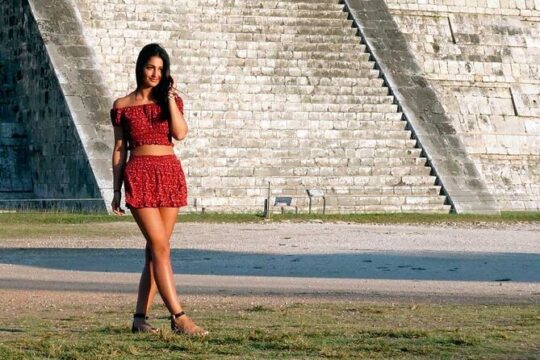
x=198, y=331
x=144, y=327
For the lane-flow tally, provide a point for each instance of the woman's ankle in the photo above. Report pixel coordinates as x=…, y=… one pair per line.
x=139, y=316
x=178, y=315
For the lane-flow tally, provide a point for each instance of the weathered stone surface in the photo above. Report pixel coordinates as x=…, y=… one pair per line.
x=482, y=60
x=47, y=166
x=433, y=128
x=273, y=91
x=283, y=91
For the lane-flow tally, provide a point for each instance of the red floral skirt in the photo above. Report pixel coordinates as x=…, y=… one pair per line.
x=154, y=181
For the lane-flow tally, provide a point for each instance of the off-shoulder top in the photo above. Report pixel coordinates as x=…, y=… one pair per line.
x=145, y=124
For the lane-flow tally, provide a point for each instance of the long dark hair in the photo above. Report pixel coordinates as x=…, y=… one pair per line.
x=159, y=92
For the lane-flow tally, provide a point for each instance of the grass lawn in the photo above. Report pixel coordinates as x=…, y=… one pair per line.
x=294, y=330
x=43, y=224
x=7, y=218
x=336, y=329
x=266, y=330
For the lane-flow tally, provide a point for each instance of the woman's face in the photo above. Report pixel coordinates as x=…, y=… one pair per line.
x=152, y=71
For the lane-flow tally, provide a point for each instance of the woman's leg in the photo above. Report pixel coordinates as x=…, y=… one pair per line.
x=147, y=288
x=169, y=216
x=147, y=284
x=151, y=224
x=168, y=220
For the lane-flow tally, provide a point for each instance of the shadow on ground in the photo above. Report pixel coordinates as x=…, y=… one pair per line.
x=451, y=266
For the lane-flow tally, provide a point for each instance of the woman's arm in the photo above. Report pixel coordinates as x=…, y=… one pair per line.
x=119, y=156
x=178, y=125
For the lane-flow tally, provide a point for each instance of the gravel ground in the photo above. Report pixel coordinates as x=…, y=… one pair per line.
x=276, y=262
x=312, y=237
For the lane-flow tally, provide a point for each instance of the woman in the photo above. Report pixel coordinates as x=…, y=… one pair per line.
x=145, y=121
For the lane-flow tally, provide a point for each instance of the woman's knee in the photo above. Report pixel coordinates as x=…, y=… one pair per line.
x=160, y=250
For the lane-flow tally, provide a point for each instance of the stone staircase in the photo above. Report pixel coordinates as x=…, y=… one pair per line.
x=484, y=64
x=275, y=91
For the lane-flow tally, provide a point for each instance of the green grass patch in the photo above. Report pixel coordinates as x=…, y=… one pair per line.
x=298, y=330
x=395, y=218
x=27, y=218
x=402, y=218
x=51, y=224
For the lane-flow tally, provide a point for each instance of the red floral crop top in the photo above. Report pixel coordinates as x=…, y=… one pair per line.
x=145, y=124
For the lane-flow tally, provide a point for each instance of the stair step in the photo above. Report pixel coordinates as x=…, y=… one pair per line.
x=318, y=120
x=215, y=56
x=304, y=143
x=267, y=40
x=275, y=63
x=296, y=98
x=396, y=173
x=208, y=52
x=262, y=28
x=188, y=79
x=431, y=190
x=381, y=162
x=403, y=190
x=418, y=208
x=270, y=12
x=356, y=143
x=260, y=32
x=377, y=162
x=371, y=152
x=291, y=107
x=293, y=187
x=228, y=46
x=261, y=179
x=286, y=89
x=202, y=19
x=224, y=204
x=254, y=127
x=364, y=73
x=260, y=23
x=288, y=5
x=265, y=153
x=257, y=137
x=332, y=200
x=395, y=200
x=237, y=199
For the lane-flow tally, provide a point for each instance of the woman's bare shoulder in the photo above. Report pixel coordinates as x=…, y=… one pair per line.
x=122, y=102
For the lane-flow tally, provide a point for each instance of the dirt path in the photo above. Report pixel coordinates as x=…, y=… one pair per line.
x=283, y=262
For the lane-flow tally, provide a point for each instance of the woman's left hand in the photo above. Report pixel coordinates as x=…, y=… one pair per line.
x=115, y=204
x=172, y=92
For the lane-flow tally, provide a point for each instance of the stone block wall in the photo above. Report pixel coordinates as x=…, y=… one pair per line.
x=47, y=163
x=277, y=91
x=15, y=175
x=283, y=91
x=483, y=60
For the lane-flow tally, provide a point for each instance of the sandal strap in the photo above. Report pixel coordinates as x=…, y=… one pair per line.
x=176, y=316
x=140, y=316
